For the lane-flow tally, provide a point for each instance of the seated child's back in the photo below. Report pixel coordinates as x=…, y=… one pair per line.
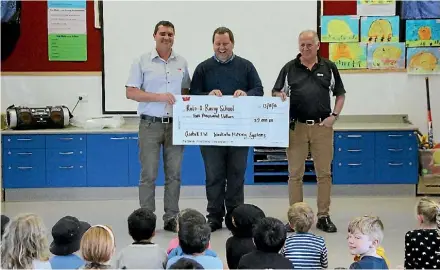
x=422, y=246
x=244, y=218
x=269, y=237
x=194, y=240
x=67, y=234
x=187, y=215
x=142, y=253
x=304, y=249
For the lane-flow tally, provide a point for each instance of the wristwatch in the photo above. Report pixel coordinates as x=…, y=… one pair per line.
x=335, y=115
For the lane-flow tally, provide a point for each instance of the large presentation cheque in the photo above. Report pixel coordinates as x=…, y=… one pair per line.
x=229, y=121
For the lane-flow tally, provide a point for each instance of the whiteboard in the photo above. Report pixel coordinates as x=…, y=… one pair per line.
x=266, y=33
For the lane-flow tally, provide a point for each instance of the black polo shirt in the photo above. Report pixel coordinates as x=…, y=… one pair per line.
x=309, y=90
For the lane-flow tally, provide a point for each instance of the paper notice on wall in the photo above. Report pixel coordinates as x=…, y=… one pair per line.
x=67, y=30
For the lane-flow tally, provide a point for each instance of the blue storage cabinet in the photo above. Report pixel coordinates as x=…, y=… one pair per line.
x=112, y=160
x=396, y=157
x=66, y=160
x=107, y=160
x=379, y=157
x=24, y=161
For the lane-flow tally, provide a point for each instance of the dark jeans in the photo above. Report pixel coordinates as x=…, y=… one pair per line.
x=225, y=167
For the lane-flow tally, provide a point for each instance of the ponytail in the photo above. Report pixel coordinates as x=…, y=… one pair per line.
x=438, y=219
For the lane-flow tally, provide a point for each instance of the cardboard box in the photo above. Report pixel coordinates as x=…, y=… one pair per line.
x=429, y=185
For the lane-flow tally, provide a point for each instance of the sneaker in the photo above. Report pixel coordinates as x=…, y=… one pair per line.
x=170, y=225
x=288, y=228
x=325, y=224
x=214, y=226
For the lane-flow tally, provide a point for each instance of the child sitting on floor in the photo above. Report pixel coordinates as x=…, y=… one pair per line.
x=365, y=234
x=192, y=216
x=422, y=246
x=142, y=253
x=304, y=249
x=269, y=237
x=243, y=219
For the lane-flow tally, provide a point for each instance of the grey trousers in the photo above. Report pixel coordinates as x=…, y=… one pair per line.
x=153, y=136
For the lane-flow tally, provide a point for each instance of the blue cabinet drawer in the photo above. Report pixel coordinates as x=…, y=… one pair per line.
x=65, y=156
x=19, y=176
x=67, y=175
x=107, y=160
x=66, y=141
x=402, y=151
x=353, y=172
x=354, y=145
x=23, y=141
x=397, y=144
x=396, y=171
x=24, y=157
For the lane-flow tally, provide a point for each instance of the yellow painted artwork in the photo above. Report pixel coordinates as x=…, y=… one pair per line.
x=339, y=29
x=423, y=60
x=349, y=55
x=386, y=55
x=380, y=29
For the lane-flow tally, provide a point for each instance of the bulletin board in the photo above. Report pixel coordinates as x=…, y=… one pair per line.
x=410, y=44
x=30, y=55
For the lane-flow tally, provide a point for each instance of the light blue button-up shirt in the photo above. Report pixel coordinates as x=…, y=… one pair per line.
x=155, y=75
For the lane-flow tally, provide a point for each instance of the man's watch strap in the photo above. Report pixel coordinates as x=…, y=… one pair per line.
x=335, y=115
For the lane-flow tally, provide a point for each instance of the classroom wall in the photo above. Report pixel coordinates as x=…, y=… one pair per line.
x=363, y=90
x=53, y=90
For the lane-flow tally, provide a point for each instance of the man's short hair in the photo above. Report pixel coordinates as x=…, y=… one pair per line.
x=164, y=23
x=269, y=235
x=223, y=30
x=300, y=217
x=194, y=238
x=141, y=224
x=315, y=35
x=368, y=225
x=186, y=263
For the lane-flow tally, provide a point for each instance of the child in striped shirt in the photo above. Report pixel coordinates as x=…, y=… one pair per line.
x=304, y=249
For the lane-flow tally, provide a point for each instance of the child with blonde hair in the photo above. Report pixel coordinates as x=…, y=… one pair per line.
x=97, y=247
x=365, y=234
x=304, y=249
x=422, y=246
x=25, y=244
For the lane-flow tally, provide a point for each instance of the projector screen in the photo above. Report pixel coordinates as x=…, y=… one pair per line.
x=266, y=34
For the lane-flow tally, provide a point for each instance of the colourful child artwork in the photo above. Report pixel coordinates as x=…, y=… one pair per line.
x=422, y=33
x=339, y=28
x=423, y=60
x=376, y=7
x=349, y=55
x=386, y=55
x=380, y=29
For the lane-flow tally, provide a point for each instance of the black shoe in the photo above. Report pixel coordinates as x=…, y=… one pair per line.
x=325, y=224
x=170, y=225
x=214, y=225
x=288, y=228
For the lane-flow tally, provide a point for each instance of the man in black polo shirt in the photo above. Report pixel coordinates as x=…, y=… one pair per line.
x=308, y=80
x=225, y=166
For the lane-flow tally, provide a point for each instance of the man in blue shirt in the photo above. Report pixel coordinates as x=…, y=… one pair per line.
x=224, y=74
x=155, y=77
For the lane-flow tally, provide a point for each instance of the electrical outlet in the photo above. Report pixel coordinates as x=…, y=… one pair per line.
x=84, y=97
